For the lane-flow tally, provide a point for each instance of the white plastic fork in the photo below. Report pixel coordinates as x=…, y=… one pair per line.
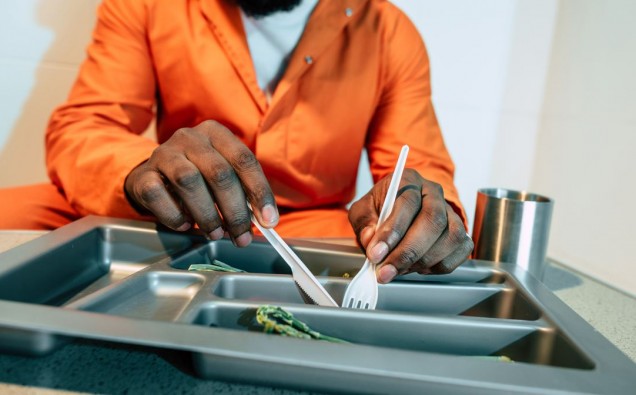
x=362, y=292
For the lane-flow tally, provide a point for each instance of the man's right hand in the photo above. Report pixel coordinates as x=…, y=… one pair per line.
x=204, y=175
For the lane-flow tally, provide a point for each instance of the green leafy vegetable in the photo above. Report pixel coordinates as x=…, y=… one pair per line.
x=276, y=320
x=215, y=266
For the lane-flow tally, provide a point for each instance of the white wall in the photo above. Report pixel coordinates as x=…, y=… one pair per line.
x=586, y=152
x=540, y=95
x=516, y=110
x=488, y=65
x=42, y=43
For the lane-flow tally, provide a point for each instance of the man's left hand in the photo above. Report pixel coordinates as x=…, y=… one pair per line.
x=423, y=233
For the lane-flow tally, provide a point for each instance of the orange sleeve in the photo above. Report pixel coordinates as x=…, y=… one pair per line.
x=93, y=140
x=405, y=114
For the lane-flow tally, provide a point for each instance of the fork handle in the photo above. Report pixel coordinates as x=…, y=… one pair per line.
x=391, y=193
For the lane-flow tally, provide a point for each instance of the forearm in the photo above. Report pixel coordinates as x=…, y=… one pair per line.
x=94, y=140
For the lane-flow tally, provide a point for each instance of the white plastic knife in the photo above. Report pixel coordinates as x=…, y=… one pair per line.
x=305, y=279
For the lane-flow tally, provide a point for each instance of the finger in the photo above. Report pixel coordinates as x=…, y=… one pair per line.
x=453, y=236
x=150, y=191
x=188, y=183
x=405, y=210
x=423, y=233
x=248, y=170
x=452, y=261
x=230, y=199
x=427, y=212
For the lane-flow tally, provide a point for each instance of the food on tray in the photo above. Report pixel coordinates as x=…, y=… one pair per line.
x=215, y=266
x=276, y=320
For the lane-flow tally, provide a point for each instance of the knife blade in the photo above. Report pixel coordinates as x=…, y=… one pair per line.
x=304, y=279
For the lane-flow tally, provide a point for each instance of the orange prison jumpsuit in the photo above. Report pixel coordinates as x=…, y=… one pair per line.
x=356, y=80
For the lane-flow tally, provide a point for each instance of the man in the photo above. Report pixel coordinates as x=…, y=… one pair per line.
x=269, y=102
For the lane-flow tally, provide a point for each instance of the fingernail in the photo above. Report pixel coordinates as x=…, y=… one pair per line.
x=366, y=235
x=184, y=227
x=216, y=234
x=269, y=215
x=378, y=252
x=387, y=273
x=243, y=240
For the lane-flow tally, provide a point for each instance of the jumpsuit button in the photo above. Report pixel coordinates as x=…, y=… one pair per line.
x=348, y=11
x=309, y=59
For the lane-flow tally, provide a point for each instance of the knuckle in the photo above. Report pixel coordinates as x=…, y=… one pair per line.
x=188, y=179
x=261, y=194
x=433, y=188
x=408, y=256
x=159, y=152
x=245, y=161
x=181, y=133
x=175, y=219
x=210, y=127
x=412, y=199
x=209, y=221
x=238, y=223
x=411, y=174
x=437, y=188
x=426, y=261
x=457, y=237
x=438, y=220
x=209, y=124
x=223, y=177
x=150, y=191
x=443, y=268
x=391, y=235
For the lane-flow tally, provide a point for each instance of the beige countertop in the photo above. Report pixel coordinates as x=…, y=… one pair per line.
x=94, y=367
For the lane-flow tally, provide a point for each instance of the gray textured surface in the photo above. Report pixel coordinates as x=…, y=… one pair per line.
x=104, y=368
x=611, y=312
x=98, y=367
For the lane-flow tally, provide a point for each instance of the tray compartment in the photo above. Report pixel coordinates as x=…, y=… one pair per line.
x=467, y=273
x=105, y=253
x=522, y=342
x=547, y=347
x=261, y=258
x=472, y=300
x=126, y=245
x=159, y=296
x=267, y=289
x=477, y=300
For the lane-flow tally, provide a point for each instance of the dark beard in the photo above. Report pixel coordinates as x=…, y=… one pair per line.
x=261, y=8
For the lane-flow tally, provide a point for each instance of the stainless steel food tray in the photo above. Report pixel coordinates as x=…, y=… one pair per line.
x=127, y=282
